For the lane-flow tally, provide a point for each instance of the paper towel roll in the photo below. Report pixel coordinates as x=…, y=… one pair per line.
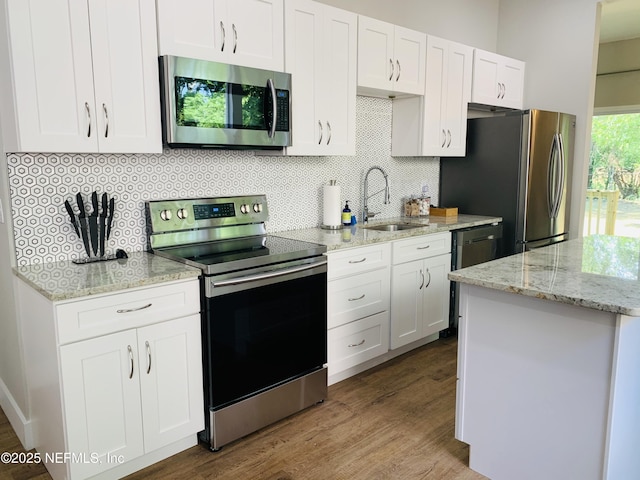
x=332, y=206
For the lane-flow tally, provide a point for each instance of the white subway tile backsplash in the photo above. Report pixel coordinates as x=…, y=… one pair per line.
x=39, y=184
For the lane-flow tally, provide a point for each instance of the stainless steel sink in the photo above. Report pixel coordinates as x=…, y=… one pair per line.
x=394, y=227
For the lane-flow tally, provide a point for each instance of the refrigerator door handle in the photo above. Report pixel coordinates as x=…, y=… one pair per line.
x=551, y=170
x=562, y=172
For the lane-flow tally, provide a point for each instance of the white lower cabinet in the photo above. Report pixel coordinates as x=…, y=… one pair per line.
x=117, y=400
x=419, y=288
x=358, y=306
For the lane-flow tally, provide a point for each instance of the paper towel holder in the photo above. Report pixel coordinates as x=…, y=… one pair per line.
x=338, y=225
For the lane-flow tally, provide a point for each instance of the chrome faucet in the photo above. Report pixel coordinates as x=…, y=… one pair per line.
x=365, y=208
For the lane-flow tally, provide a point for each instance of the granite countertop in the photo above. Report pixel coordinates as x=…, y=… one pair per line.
x=65, y=280
x=599, y=272
x=358, y=235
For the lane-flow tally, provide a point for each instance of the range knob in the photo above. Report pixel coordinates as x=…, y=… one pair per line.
x=165, y=215
x=183, y=213
x=257, y=207
x=244, y=208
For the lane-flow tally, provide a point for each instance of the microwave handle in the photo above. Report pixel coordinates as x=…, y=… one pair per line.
x=272, y=130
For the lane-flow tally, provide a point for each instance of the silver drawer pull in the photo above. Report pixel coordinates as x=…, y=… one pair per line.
x=356, y=344
x=358, y=261
x=356, y=299
x=129, y=310
x=423, y=248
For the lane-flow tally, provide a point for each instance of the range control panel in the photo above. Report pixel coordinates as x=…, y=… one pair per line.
x=194, y=213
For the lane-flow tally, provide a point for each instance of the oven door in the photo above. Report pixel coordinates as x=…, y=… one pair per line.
x=263, y=329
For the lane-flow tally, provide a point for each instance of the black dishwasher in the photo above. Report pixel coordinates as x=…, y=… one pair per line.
x=471, y=246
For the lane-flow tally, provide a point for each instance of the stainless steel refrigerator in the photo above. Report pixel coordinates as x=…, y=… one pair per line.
x=517, y=166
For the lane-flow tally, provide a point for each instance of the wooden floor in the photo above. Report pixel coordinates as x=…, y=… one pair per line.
x=395, y=421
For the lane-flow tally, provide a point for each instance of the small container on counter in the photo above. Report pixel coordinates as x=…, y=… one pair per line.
x=417, y=206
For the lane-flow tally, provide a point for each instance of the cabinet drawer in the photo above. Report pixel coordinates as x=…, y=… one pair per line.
x=358, y=296
x=421, y=247
x=126, y=309
x=357, y=260
x=357, y=342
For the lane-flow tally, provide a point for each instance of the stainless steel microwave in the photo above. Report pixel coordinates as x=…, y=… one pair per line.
x=209, y=104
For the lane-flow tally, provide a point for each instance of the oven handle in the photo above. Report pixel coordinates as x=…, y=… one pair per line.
x=263, y=276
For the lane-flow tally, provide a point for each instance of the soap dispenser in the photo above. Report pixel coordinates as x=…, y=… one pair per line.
x=346, y=214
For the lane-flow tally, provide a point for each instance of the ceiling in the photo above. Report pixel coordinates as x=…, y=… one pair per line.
x=620, y=20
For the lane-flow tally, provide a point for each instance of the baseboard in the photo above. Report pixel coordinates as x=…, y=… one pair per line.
x=16, y=418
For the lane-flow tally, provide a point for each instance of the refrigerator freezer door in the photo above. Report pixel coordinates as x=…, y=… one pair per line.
x=549, y=175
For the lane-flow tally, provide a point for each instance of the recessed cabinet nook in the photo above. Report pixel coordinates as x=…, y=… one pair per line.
x=391, y=59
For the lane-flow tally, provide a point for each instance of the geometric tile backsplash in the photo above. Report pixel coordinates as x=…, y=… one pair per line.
x=40, y=183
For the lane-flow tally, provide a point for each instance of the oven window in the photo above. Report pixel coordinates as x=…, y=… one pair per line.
x=260, y=337
x=213, y=104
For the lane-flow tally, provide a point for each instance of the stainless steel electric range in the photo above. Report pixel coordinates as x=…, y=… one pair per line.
x=264, y=310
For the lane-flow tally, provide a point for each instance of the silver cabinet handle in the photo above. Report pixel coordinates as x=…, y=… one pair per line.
x=499, y=90
x=449, y=137
x=320, y=125
x=423, y=248
x=356, y=299
x=503, y=89
x=422, y=284
x=235, y=37
x=444, y=138
x=391, y=75
x=86, y=106
x=429, y=282
x=106, y=120
x=358, y=261
x=356, y=344
x=398, y=75
x=146, y=344
x=130, y=360
x=328, y=132
x=129, y=310
x=224, y=36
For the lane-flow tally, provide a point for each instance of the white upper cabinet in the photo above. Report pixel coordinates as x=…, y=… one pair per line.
x=436, y=124
x=84, y=76
x=391, y=59
x=238, y=32
x=497, y=80
x=321, y=55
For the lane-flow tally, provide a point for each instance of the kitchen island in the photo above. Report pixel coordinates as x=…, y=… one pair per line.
x=548, y=362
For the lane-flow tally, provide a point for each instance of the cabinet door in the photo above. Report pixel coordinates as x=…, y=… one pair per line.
x=376, y=65
x=255, y=33
x=303, y=60
x=51, y=61
x=192, y=28
x=435, y=100
x=436, y=294
x=170, y=362
x=513, y=81
x=410, y=57
x=337, y=98
x=486, y=81
x=457, y=94
x=125, y=67
x=407, y=284
x=101, y=396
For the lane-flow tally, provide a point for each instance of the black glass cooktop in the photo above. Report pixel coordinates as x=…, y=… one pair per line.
x=242, y=253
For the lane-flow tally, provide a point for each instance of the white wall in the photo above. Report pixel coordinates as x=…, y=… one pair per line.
x=558, y=39
x=472, y=22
